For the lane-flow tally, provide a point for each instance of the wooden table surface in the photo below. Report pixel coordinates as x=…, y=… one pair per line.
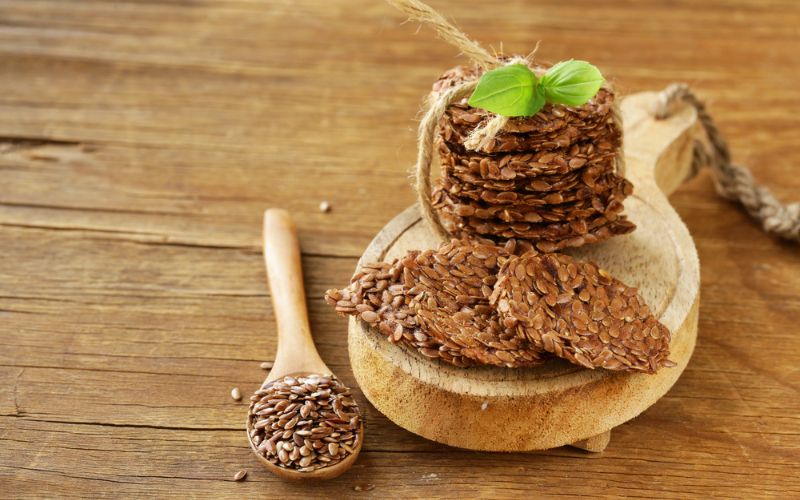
x=140, y=142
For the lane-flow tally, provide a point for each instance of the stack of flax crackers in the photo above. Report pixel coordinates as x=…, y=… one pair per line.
x=549, y=178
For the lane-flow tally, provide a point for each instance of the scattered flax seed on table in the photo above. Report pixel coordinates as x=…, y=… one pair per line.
x=236, y=394
x=240, y=475
x=325, y=207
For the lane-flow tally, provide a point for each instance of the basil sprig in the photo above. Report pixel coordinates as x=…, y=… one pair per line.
x=515, y=91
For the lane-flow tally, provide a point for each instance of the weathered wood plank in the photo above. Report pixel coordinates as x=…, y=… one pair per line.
x=141, y=140
x=124, y=460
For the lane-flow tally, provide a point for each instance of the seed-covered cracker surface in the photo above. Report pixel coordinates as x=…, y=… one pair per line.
x=377, y=295
x=550, y=178
x=437, y=302
x=474, y=303
x=552, y=127
x=452, y=287
x=578, y=312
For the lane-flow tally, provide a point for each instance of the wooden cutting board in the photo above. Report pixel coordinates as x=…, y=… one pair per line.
x=503, y=409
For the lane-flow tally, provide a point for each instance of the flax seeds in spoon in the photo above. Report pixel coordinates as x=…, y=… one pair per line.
x=304, y=423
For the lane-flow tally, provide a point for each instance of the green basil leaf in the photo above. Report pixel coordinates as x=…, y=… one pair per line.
x=571, y=82
x=507, y=91
x=538, y=101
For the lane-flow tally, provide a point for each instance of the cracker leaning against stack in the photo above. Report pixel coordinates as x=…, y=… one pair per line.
x=474, y=303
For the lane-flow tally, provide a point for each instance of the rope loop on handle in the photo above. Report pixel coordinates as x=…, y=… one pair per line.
x=732, y=181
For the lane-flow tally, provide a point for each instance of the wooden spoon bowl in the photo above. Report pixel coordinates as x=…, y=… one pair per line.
x=324, y=473
x=296, y=354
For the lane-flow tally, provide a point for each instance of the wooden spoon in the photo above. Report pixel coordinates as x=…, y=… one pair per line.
x=296, y=354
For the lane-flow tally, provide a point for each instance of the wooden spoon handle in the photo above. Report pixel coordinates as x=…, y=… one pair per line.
x=296, y=351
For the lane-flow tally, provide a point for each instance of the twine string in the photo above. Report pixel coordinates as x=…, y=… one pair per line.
x=425, y=137
x=447, y=31
x=732, y=181
x=436, y=105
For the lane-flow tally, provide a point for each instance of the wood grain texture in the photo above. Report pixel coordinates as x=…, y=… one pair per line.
x=140, y=142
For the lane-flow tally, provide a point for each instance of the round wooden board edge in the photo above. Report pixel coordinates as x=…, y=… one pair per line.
x=471, y=421
x=466, y=419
